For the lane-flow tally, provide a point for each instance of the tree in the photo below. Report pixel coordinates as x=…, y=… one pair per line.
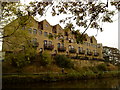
x=84, y=14
x=19, y=46
x=12, y=11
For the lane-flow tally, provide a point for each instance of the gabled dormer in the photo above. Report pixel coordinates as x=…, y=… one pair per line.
x=86, y=38
x=93, y=40
x=44, y=25
x=54, y=29
x=57, y=29
x=40, y=25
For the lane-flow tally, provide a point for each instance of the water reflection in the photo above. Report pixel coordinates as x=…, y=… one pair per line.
x=95, y=83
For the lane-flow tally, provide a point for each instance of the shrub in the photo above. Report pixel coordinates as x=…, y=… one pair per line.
x=63, y=61
x=102, y=67
x=45, y=59
x=19, y=59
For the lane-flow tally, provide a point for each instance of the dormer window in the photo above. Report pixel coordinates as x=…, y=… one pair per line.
x=91, y=40
x=40, y=25
x=46, y=25
x=54, y=30
x=59, y=28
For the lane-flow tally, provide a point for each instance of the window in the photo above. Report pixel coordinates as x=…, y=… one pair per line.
x=66, y=53
x=95, y=51
x=30, y=30
x=23, y=28
x=40, y=25
x=69, y=46
x=34, y=40
x=45, y=42
x=34, y=31
x=58, y=45
x=41, y=50
x=85, y=43
x=98, y=46
x=72, y=47
x=54, y=29
x=50, y=42
x=46, y=25
x=66, y=33
x=62, y=45
x=50, y=34
x=87, y=49
x=91, y=40
x=71, y=40
x=55, y=51
x=45, y=34
x=40, y=32
x=67, y=38
x=80, y=48
x=60, y=37
x=59, y=28
x=54, y=36
x=88, y=44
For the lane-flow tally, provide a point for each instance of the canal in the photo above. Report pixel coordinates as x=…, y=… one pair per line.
x=94, y=83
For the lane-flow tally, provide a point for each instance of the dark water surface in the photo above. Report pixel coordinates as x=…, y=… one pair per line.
x=95, y=83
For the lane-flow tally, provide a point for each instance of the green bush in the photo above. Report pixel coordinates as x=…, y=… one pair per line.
x=18, y=59
x=102, y=67
x=45, y=59
x=63, y=61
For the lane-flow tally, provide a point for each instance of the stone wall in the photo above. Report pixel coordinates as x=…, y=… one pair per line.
x=84, y=63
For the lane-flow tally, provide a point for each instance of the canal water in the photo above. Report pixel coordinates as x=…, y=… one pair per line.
x=94, y=83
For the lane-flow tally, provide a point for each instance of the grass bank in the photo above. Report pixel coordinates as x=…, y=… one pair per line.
x=53, y=77
x=47, y=70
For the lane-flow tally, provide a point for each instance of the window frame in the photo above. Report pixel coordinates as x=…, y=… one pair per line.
x=35, y=31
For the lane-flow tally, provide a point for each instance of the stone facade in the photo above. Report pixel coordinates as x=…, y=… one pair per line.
x=55, y=39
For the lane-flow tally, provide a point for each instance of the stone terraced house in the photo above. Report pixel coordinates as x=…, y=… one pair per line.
x=56, y=40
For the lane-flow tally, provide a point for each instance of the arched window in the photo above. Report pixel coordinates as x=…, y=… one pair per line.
x=91, y=40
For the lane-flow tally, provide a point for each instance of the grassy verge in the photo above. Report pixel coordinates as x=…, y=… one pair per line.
x=51, y=77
